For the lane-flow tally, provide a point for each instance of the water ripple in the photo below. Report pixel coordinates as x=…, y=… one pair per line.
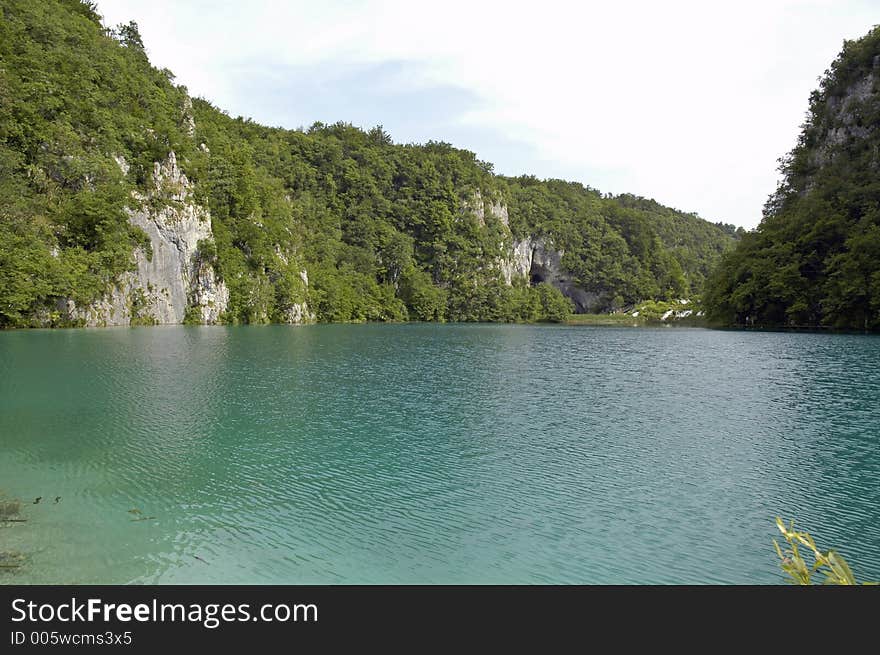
x=435, y=454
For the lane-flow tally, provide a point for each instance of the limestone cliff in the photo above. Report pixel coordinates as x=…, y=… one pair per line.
x=380, y=225
x=493, y=208
x=536, y=260
x=532, y=259
x=171, y=281
x=846, y=117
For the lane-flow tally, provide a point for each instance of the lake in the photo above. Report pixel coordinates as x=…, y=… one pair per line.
x=423, y=453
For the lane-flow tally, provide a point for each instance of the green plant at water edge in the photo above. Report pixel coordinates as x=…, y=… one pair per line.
x=138, y=306
x=192, y=315
x=829, y=563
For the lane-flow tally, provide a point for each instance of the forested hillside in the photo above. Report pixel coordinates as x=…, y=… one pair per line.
x=815, y=258
x=331, y=223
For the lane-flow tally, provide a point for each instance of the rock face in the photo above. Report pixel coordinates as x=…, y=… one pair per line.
x=533, y=259
x=496, y=209
x=172, y=282
x=536, y=261
x=299, y=313
x=844, y=120
x=517, y=262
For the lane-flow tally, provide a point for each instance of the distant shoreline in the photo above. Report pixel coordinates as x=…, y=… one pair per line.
x=576, y=320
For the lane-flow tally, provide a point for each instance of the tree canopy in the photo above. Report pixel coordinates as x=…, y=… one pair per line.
x=360, y=227
x=814, y=261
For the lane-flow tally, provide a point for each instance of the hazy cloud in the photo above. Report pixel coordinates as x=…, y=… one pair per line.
x=687, y=102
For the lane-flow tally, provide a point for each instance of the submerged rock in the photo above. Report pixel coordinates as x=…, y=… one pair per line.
x=9, y=509
x=11, y=559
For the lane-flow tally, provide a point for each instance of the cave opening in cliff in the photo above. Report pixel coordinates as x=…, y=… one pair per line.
x=538, y=274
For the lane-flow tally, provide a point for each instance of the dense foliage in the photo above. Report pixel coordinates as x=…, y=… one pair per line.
x=359, y=227
x=71, y=98
x=815, y=258
x=625, y=248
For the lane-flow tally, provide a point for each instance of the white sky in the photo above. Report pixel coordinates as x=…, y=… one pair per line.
x=687, y=102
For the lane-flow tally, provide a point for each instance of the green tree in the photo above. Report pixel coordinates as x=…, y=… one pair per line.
x=814, y=259
x=384, y=231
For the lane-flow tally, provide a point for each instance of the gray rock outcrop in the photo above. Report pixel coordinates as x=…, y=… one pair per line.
x=531, y=260
x=172, y=282
x=299, y=313
x=535, y=260
x=482, y=209
x=845, y=122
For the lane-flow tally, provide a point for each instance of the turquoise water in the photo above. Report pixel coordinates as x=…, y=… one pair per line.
x=434, y=453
